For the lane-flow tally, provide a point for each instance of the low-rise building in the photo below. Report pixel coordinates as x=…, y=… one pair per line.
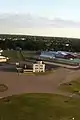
x=58, y=54
x=3, y=59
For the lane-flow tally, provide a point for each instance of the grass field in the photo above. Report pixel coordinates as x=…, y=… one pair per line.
x=39, y=107
x=73, y=86
x=28, y=53
x=13, y=55
x=16, y=55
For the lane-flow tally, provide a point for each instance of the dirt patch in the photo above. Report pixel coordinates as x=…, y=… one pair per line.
x=36, y=84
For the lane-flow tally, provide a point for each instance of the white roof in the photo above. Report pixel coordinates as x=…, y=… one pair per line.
x=1, y=51
x=62, y=52
x=2, y=57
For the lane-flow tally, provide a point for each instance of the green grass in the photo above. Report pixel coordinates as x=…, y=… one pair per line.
x=16, y=56
x=73, y=86
x=39, y=107
x=13, y=55
x=28, y=53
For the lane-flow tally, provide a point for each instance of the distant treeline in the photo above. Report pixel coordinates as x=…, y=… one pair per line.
x=39, y=43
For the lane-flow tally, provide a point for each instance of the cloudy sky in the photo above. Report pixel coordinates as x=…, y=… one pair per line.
x=40, y=17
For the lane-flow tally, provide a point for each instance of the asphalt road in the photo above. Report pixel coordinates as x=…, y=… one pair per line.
x=7, y=67
x=12, y=67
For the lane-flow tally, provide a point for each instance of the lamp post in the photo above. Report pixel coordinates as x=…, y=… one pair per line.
x=17, y=67
x=67, y=45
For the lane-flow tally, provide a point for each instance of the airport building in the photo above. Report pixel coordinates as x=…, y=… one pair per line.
x=58, y=54
x=3, y=58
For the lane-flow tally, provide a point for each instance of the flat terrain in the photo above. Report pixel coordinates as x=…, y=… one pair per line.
x=71, y=86
x=23, y=83
x=36, y=97
x=39, y=107
x=17, y=56
x=30, y=84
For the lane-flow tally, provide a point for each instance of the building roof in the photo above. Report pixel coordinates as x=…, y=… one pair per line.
x=55, y=54
x=2, y=57
x=1, y=51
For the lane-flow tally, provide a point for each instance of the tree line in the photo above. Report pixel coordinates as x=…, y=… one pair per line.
x=39, y=43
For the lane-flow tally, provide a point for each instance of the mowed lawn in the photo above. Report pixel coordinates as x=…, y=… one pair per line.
x=13, y=55
x=16, y=55
x=39, y=107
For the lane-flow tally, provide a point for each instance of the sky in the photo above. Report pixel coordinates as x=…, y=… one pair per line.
x=64, y=9
x=64, y=14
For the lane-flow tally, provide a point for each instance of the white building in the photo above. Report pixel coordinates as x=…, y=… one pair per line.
x=39, y=67
x=3, y=59
x=1, y=51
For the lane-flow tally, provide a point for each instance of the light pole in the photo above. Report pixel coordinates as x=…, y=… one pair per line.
x=67, y=45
